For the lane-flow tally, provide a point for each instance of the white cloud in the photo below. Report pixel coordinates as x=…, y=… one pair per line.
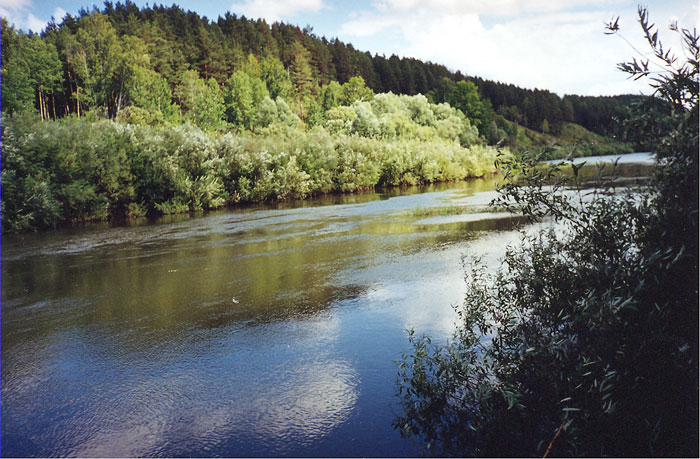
x=19, y=13
x=366, y=25
x=487, y=8
x=562, y=53
x=546, y=44
x=275, y=10
x=15, y=5
x=58, y=14
x=33, y=23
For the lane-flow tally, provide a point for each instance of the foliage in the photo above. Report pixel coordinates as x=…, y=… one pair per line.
x=389, y=116
x=201, y=102
x=464, y=96
x=30, y=69
x=276, y=78
x=100, y=54
x=147, y=90
x=242, y=97
x=92, y=56
x=276, y=114
x=355, y=90
x=585, y=341
x=75, y=169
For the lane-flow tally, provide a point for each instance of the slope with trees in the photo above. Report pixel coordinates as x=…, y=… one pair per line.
x=99, y=52
x=270, y=88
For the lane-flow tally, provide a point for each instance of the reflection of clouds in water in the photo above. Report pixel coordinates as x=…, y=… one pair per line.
x=423, y=302
x=432, y=313
x=491, y=248
x=277, y=397
x=315, y=399
x=427, y=301
x=306, y=406
x=140, y=429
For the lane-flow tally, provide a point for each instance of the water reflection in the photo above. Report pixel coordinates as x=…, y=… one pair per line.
x=273, y=407
x=128, y=342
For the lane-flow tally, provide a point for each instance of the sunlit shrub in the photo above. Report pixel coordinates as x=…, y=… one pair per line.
x=339, y=120
x=273, y=113
x=72, y=169
x=394, y=117
x=419, y=109
x=364, y=122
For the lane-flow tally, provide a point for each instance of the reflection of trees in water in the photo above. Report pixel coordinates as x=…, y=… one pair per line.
x=137, y=290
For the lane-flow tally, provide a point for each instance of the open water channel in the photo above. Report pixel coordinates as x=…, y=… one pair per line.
x=267, y=331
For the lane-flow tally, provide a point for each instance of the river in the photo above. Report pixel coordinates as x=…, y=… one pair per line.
x=265, y=331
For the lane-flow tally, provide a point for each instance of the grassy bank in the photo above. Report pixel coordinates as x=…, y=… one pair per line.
x=572, y=138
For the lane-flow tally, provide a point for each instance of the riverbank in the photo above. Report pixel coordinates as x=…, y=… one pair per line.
x=127, y=342
x=75, y=170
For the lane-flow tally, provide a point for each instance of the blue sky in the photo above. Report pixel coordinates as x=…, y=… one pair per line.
x=548, y=44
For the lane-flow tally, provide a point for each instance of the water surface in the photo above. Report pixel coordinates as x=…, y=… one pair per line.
x=267, y=331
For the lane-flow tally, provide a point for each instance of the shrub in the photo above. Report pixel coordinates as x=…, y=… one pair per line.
x=75, y=169
x=585, y=341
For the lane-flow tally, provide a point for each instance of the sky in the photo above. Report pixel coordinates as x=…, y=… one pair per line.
x=557, y=45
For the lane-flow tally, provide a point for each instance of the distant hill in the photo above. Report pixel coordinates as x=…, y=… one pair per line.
x=169, y=41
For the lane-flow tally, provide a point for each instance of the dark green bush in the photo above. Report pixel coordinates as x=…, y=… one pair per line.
x=585, y=341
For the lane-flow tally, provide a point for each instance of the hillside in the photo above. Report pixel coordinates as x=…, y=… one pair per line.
x=573, y=139
x=129, y=112
x=95, y=61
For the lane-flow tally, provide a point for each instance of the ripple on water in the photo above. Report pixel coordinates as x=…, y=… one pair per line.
x=126, y=342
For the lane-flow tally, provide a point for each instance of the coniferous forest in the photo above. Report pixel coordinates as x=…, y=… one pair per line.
x=128, y=111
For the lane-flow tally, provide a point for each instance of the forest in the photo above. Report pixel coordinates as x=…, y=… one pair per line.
x=128, y=111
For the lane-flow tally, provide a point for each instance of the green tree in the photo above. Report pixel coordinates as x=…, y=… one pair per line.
x=212, y=60
x=45, y=71
x=387, y=77
x=164, y=50
x=201, y=102
x=465, y=97
x=31, y=72
x=302, y=76
x=16, y=87
x=567, y=110
x=17, y=91
x=92, y=55
x=276, y=78
x=130, y=59
x=149, y=91
x=355, y=90
x=585, y=342
x=330, y=95
x=242, y=97
x=442, y=92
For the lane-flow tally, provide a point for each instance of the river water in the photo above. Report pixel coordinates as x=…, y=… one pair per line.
x=266, y=331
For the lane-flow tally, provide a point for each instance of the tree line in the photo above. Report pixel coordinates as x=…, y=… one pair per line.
x=217, y=113
x=164, y=63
